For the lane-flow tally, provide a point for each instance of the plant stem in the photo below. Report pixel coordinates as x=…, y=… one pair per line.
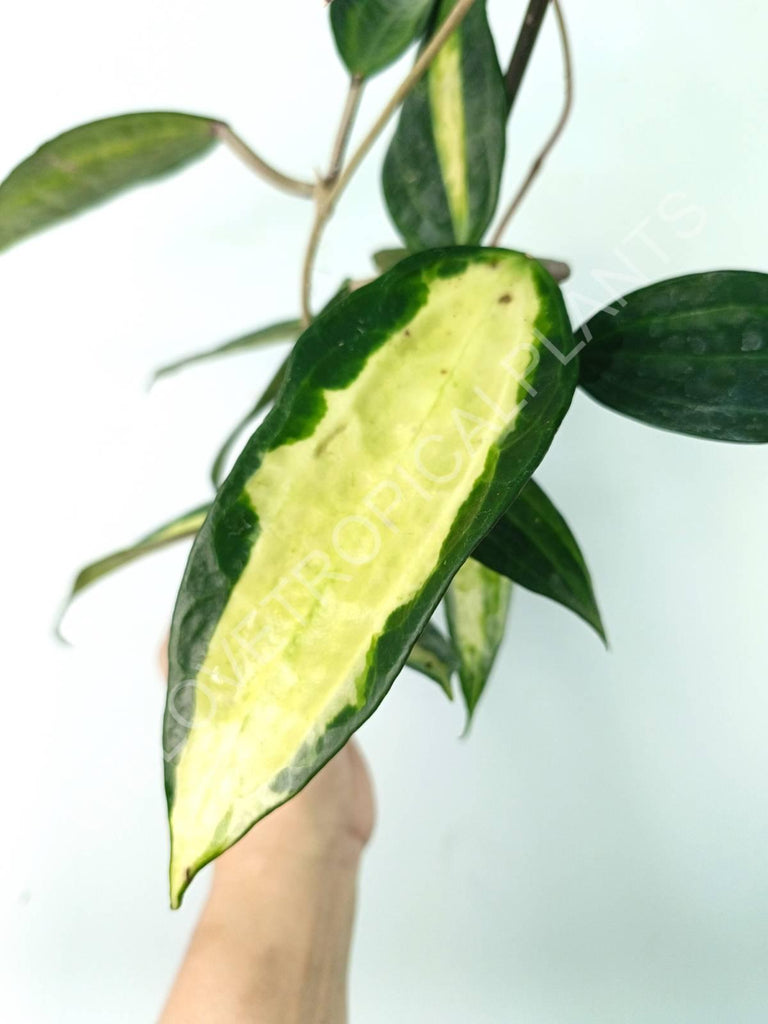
x=282, y=181
x=526, y=40
x=322, y=213
x=354, y=95
x=328, y=197
x=554, y=136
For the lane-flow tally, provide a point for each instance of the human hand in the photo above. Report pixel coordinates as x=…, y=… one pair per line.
x=330, y=820
x=272, y=944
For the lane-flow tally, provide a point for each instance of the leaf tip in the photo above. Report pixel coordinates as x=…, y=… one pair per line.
x=59, y=620
x=60, y=638
x=464, y=734
x=179, y=877
x=446, y=685
x=160, y=374
x=595, y=620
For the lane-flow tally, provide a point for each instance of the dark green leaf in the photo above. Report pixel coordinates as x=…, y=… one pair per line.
x=370, y=34
x=433, y=655
x=443, y=168
x=285, y=330
x=689, y=355
x=181, y=527
x=532, y=545
x=94, y=162
x=476, y=604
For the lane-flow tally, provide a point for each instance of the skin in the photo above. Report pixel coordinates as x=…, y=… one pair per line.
x=272, y=943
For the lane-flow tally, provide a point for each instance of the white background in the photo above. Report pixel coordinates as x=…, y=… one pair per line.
x=596, y=849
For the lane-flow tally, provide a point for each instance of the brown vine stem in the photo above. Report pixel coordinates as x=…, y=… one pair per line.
x=241, y=149
x=351, y=106
x=555, y=134
x=328, y=196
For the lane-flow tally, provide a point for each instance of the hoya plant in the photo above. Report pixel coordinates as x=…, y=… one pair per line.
x=385, y=503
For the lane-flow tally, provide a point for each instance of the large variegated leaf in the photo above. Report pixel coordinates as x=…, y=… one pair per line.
x=370, y=34
x=94, y=162
x=533, y=545
x=413, y=411
x=443, y=167
x=476, y=604
x=284, y=330
x=181, y=527
x=689, y=355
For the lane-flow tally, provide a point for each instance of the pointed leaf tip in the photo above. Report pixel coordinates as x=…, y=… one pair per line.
x=533, y=545
x=476, y=604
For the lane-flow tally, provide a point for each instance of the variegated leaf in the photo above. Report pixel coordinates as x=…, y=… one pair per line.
x=402, y=431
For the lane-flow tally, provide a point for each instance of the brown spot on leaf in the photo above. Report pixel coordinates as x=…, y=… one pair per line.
x=322, y=445
x=505, y=298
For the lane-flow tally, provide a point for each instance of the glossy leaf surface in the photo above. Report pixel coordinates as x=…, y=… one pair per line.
x=402, y=431
x=370, y=34
x=476, y=604
x=689, y=354
x=443, y=168
x=533, y=545
x=94, y=162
